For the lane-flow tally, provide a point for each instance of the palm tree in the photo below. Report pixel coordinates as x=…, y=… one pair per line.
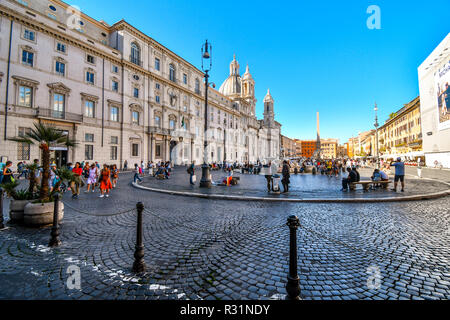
x=46, y=136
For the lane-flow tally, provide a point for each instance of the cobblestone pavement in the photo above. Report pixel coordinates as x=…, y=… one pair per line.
x=212, y=249
x=303, y=186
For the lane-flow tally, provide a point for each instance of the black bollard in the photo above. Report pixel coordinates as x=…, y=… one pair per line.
x=139, y=264
x=54, y=240
x=293, y=283
x=2, y=226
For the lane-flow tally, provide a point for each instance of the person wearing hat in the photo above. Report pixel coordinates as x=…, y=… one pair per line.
x=399, y=173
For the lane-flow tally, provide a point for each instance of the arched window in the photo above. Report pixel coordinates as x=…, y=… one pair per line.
x=135, y=56
x=197, y=86
x=172, y=72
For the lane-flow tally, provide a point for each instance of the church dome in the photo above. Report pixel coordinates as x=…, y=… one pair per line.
x=232, y=85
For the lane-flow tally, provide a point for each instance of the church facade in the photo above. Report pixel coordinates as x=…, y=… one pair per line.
x=119, y=93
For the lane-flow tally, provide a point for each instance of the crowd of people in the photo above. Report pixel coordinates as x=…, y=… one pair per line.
x=105, y=178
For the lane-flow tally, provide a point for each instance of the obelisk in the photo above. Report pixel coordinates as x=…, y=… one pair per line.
x=318, y=137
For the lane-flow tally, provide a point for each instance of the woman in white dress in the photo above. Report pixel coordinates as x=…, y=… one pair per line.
x=92, y=179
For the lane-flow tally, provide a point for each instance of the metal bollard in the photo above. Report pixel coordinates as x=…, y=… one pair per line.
x=293, y=283
x=2, y=226
x=54, y=240
x=139, y=264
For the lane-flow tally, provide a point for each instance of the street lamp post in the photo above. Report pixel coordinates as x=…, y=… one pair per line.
x=376, y=135
x=205, y=181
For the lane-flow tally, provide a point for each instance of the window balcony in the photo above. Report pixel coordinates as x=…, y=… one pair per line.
x=158, y=130
x=44, y=113
x=135, y=60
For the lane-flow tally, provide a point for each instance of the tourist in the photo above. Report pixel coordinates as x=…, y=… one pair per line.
x=2, y=166
x=114, y=175
x=419, y=168
x=352, y=177
x=8, y=176
x=86, y=169
x=77, y=183
x=105, y=181
x=136, y=173
x=191, y=171
x=268, y=175
x=125, y=165
x=286, y=175
x=399, y=174
x=52, y=177
x=20, y=166
x=92, y=178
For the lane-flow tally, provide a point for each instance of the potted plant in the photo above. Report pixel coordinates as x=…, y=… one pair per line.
x=40, y=211
x=19, y=199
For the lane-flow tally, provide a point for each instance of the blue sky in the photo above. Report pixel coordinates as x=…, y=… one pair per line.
x=313, y=55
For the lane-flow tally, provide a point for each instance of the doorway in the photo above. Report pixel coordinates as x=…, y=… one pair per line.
x=61, y=158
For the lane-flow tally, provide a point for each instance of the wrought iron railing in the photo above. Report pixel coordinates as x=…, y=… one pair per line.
x=57, y=114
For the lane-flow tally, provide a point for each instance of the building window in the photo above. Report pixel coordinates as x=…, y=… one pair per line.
x=135, y=117
x=135, y=150
x=61, y=47
x=89, y=109
x=89, y=152
x=135, y=56
x=157, y=64
x=60, y=68
x=158, y=99
x=172, y=124
x=113, y=152
x=58, y=105
x=157, y=121
x=115, y=86
x=27, y=58
x=185, y=78
x=89, y=77
x=114, y=114
x=23, y=2
x=171, y=72
x=90, y=59
x=157, y=86
x=23, y=149
x=89, y=137
x=197, y=86
x=136, y=92
x=114, y=140
x=115, y=69
x=158, y=150
x=25, y=96
x=29, y=35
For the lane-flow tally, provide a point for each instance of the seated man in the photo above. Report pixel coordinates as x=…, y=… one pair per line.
x=352, y=177
x=376, y=176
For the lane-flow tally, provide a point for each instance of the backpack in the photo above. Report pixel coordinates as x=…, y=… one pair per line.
x=140, y=170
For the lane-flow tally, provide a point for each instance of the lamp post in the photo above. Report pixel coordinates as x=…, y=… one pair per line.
x=205, y=182
x=376, y=135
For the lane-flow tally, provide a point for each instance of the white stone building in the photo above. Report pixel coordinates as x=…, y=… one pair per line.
x=434, y=86
x=119, y=93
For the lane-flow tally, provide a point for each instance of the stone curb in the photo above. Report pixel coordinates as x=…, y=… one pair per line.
x=331, y=200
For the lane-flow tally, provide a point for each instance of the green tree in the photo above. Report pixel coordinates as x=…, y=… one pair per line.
x=46, y=137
